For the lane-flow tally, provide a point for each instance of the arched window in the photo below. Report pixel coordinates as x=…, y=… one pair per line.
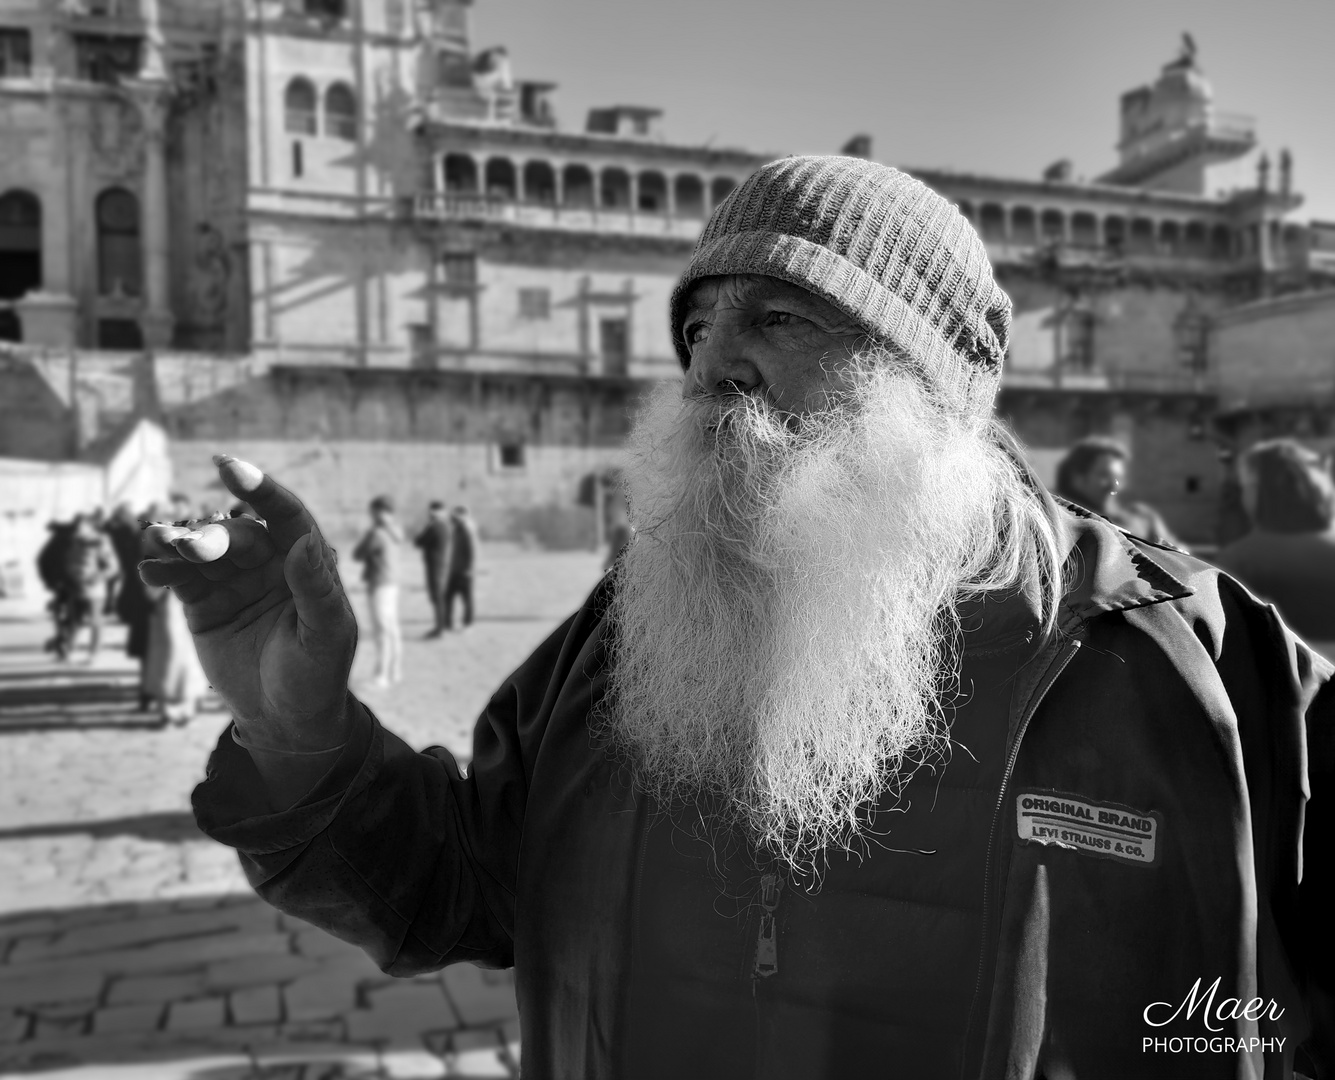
x=689, y=194
x=500, y=177
x=577, y=182
x=1221, y=242
x=993, y=222
x=20, y=244
x=614, y=189
x=1023, y=230
x=1142, y=236
x=299, y=108
x=460, y=175
x=1170, y=237
x=539, y=183
x=325, y=9
x=1084, y=230
x=1114, y=233
x=119, y=265
x=720, y=187
x=340, y=112
x=1053, y=226
x=653, y=192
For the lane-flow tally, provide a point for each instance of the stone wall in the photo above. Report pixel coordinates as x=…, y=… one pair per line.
x=516, y=450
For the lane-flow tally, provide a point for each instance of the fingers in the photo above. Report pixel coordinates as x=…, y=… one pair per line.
x=244, y=542
x=316, y=590
x=286, y=516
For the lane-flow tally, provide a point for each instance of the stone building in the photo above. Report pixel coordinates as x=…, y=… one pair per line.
x=1123, y=287
x=388, y=242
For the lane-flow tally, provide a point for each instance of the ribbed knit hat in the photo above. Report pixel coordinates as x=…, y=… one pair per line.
x=880, y=246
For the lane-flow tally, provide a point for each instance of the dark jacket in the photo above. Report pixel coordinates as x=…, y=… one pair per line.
x=1147, y=832
x=434, y=543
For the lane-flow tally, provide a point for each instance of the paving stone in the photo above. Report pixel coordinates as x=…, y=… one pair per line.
x=13, y=1026
x=257, y=970
x=256, y=1005
x=315, y=942
x=315, y=1031
x=155, y=988
x=107, y=937
x=319, y=997
x=115, y=1018
x=64, y=1010
x=480, y=996
x=201, y=1013
x=411, y=1065
x=401, y=1014
x=66, y=1027
x=319, y=1060
x=41, y=987
x=162, y=958
x=355, y=966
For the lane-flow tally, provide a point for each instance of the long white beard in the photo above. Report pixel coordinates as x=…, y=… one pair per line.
x=785, y=628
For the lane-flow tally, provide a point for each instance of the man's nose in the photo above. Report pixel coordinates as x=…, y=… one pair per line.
x=721, y=365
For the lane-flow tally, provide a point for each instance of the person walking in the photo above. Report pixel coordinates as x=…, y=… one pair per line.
x=378, y=551
x=463, y=554
x=434, y=543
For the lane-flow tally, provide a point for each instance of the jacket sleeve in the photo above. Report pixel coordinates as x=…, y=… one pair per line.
x=1286, y=708
x=402, y=853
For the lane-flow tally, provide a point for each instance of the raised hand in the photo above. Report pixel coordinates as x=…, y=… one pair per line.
x=271, y=622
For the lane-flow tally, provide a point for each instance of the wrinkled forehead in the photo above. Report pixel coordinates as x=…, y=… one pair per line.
x=709, y=293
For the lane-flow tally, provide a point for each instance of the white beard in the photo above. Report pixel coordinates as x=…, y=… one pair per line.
x=785, y=629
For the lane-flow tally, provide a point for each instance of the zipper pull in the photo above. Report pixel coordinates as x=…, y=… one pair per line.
x=767, y=939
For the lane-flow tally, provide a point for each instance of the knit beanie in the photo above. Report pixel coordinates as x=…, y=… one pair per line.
x=880, y=246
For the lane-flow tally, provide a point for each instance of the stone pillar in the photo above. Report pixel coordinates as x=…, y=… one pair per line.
x=518, y=167
x=156, y=321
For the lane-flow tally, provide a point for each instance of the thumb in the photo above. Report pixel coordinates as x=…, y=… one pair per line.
x=322, y=608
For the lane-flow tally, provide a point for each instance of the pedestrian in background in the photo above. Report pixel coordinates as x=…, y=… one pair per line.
x=378, y=551
x=434, y=543
x=1091, y=475
x=90, y=563
x=1288, y=557
x=134, y=600
x=463, y=556
x=171, y=674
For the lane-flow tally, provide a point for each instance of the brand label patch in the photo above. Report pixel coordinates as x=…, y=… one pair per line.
x=1108, y=830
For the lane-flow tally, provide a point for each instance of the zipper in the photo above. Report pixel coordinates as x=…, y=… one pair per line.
x=1054, y=669
x=767, y=936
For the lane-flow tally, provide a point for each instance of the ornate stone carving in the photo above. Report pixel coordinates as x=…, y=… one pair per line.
x=117, y=135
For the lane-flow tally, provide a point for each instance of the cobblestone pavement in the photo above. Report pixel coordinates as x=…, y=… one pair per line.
x=130, y=946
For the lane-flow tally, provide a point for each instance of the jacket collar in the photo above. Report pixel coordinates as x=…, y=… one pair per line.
x=1108, y=572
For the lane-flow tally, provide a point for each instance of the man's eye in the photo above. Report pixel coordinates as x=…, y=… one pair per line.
x=695, y=333
x=782, y=318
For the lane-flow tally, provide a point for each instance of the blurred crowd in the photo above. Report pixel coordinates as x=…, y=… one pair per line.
x=90, y=567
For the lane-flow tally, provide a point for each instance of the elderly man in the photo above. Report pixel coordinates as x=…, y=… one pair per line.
x=867, y=759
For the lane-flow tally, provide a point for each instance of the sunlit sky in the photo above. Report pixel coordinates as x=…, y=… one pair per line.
x=1003, y=87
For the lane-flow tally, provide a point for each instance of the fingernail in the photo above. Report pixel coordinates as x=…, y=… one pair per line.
x=193, y=535
x=314, y=557
x=244, y=475
x=222, y=459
